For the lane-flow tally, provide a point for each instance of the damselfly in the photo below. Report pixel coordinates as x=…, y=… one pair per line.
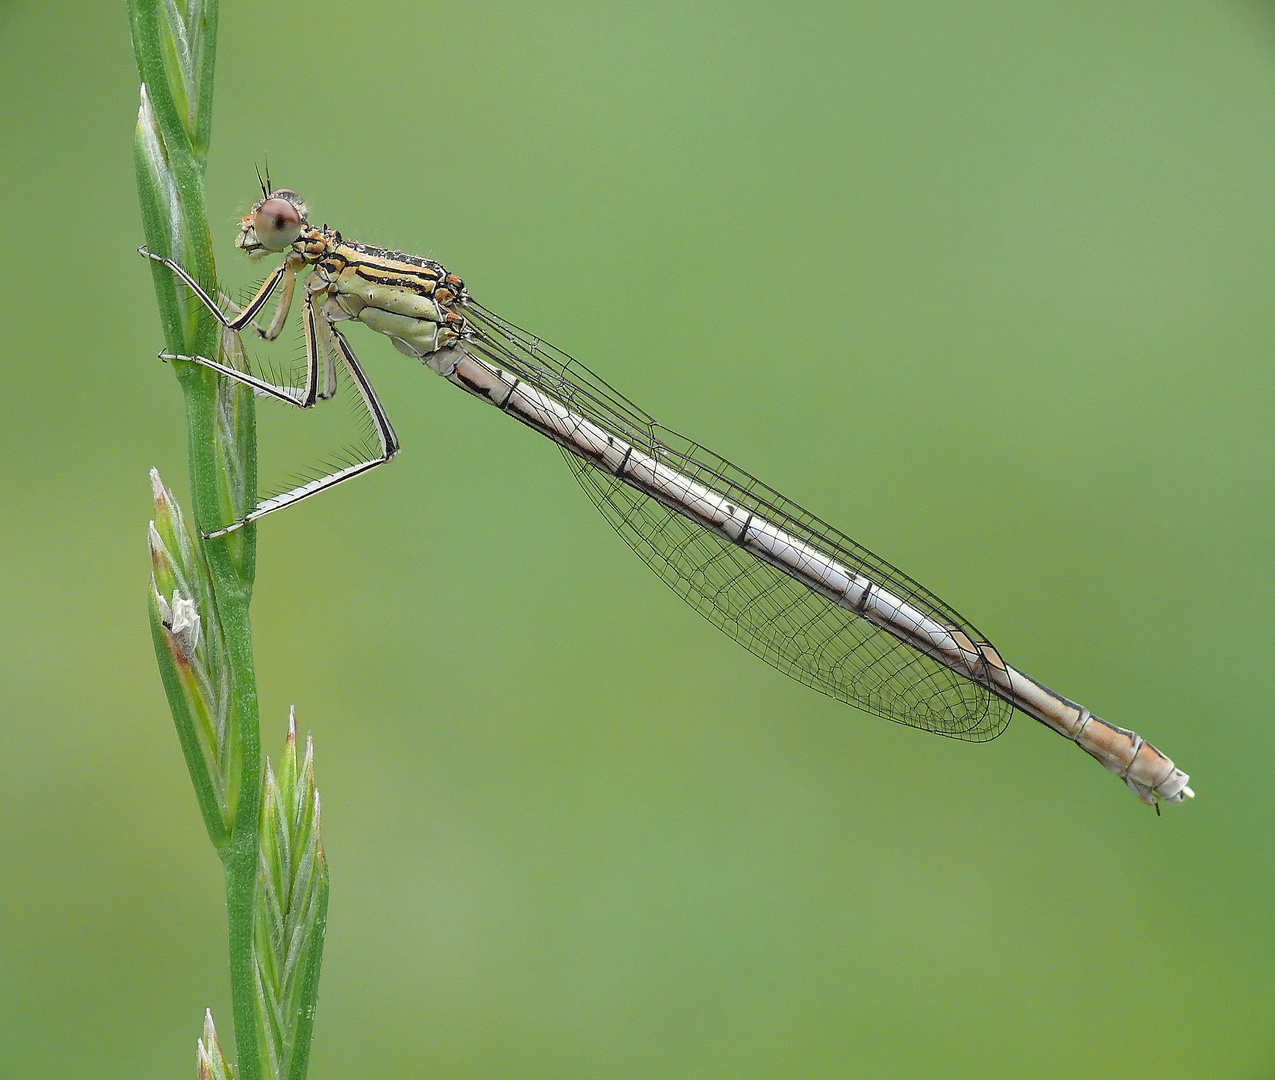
x=792, y=589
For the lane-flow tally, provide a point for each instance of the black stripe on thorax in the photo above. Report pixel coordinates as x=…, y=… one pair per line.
x=373, y=255
x=382, y=276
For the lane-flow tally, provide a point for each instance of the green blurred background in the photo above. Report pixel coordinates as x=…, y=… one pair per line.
x=988, y=285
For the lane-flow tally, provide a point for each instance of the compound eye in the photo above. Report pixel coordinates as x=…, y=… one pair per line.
x=277, y=223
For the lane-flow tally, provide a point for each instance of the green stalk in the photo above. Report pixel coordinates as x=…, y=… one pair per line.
x=175, y=46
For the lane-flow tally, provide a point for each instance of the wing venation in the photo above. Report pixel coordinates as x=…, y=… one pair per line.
x=800, y=632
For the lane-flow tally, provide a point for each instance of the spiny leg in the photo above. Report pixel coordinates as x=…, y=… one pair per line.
x=306, y=396
x=319, y=325
x=281, y=309
x=384, y=429
x=329, y=376
x=288, y=268
x=321, y=333
x=302, y=399
x=293, y=263
x=287, y=273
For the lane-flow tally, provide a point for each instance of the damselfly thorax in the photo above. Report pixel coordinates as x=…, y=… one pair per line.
x=412, y=301
x=791, y=588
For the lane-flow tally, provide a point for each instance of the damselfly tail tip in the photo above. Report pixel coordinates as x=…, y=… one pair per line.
x=1173, y=789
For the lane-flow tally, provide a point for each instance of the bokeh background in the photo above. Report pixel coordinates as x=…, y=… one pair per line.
x=988, y=285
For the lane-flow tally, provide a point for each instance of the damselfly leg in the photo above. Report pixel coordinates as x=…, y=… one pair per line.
x=322, y=341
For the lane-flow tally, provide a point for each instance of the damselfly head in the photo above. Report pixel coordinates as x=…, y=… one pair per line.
x=275, y=222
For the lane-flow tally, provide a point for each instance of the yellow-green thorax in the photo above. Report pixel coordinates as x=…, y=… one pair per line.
x=409, y=299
